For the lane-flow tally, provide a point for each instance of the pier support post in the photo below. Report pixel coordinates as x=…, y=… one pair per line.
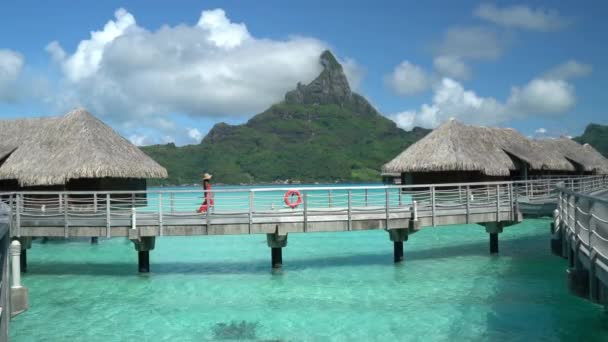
x=143, y=246
x=493, y=229
x=276, y=243
x=397, y=236
x=25, y=243
x=143, y=261
x=493, y=243
x=578, y=279
x=557, y=235
x=18, y=292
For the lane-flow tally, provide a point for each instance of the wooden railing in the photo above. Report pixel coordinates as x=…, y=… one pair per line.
x=171, y=207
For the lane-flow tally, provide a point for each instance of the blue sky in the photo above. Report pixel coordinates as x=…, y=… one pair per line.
x=164, y=72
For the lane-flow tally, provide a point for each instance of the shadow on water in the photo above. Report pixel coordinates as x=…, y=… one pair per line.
x=258, y=266
x=532, y=302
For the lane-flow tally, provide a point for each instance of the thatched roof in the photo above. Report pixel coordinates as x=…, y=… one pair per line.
x=5, y=151
x=583, y=156
x=50, y=151
x=454, y=146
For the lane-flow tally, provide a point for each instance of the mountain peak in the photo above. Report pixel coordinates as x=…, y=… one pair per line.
x=330, y=87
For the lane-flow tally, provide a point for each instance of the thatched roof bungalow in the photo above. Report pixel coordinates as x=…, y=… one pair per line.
x=584, y=158
x=71, y=152
x=455, y=152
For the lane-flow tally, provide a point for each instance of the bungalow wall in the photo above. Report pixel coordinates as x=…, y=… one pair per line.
x=87, y=184
x=442, y=177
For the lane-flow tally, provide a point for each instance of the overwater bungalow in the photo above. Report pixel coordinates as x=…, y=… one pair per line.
x=72, y=152
x=455, y=152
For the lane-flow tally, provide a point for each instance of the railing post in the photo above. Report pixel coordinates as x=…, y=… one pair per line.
x=108, y=216
x=559, y=204
x=251, y=207
x=329, y=197
x=571, y=184
x=468, y=204
x=590, y=225
x=208, y=218
x=132, y=199
x=65, y=216
x=387, y=205
x=433, y=205
x=399, y=194
x=459, y=194
x=172, y=203
x=305, y=202
x=18, y=213
x=95, y=202
x=415, y=206
x=497, y=202
x=60, y=203
x=511, y=213
x=575, y=217
x=160, y=213
x=133, y=218
x=366, y=197
x=349, y=200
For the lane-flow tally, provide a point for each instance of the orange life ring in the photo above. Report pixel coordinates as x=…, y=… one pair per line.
x=288, y=201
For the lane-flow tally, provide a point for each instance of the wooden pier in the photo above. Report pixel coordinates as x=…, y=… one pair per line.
x=580, y=234
x=141, y=216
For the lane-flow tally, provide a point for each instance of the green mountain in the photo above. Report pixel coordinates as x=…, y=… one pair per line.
x=321, y=132
x=596, y=136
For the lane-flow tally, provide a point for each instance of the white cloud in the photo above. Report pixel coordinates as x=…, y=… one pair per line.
x=86, y=61
x=522, y=17
x=470, y=43
x=405, y=119
x=167, y=139
x=134, y=76
x=195, y=134
x=538, y=97
x=353, y=71
x=222, y=32
x=11, y=65
x=569, y=70
x=451, y=66
x=548, y=95
x=540, y=131
x=542, y=96
x=139, y=139
x=408, y=79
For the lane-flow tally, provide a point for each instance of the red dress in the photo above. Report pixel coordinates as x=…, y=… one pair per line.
x=208, y=202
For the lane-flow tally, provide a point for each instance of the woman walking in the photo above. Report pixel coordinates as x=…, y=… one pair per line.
x=208, y=196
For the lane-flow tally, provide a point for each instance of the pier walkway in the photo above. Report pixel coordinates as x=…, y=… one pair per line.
x=399, y=209
x=580, y=234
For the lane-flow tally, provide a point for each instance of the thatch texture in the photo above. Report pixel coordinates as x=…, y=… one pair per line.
x=5, y=151
x=454, y=146
x=584, y=156
x=51, y=151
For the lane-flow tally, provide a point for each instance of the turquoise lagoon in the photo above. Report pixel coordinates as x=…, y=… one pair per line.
x=333, y=287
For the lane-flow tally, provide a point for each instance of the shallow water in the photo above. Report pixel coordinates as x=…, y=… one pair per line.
x=334, y=286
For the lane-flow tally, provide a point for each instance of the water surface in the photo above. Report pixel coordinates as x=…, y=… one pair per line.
x=334, y=286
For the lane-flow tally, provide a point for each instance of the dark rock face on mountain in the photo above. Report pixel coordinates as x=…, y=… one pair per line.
x=597, y=136
x=322, y=131
x=330, y=87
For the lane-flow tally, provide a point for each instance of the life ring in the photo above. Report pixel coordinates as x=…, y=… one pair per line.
x=288, y=201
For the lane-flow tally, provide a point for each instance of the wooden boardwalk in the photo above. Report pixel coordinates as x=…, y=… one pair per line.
x=580, y=234
x=141, y=216
x=261, y=210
